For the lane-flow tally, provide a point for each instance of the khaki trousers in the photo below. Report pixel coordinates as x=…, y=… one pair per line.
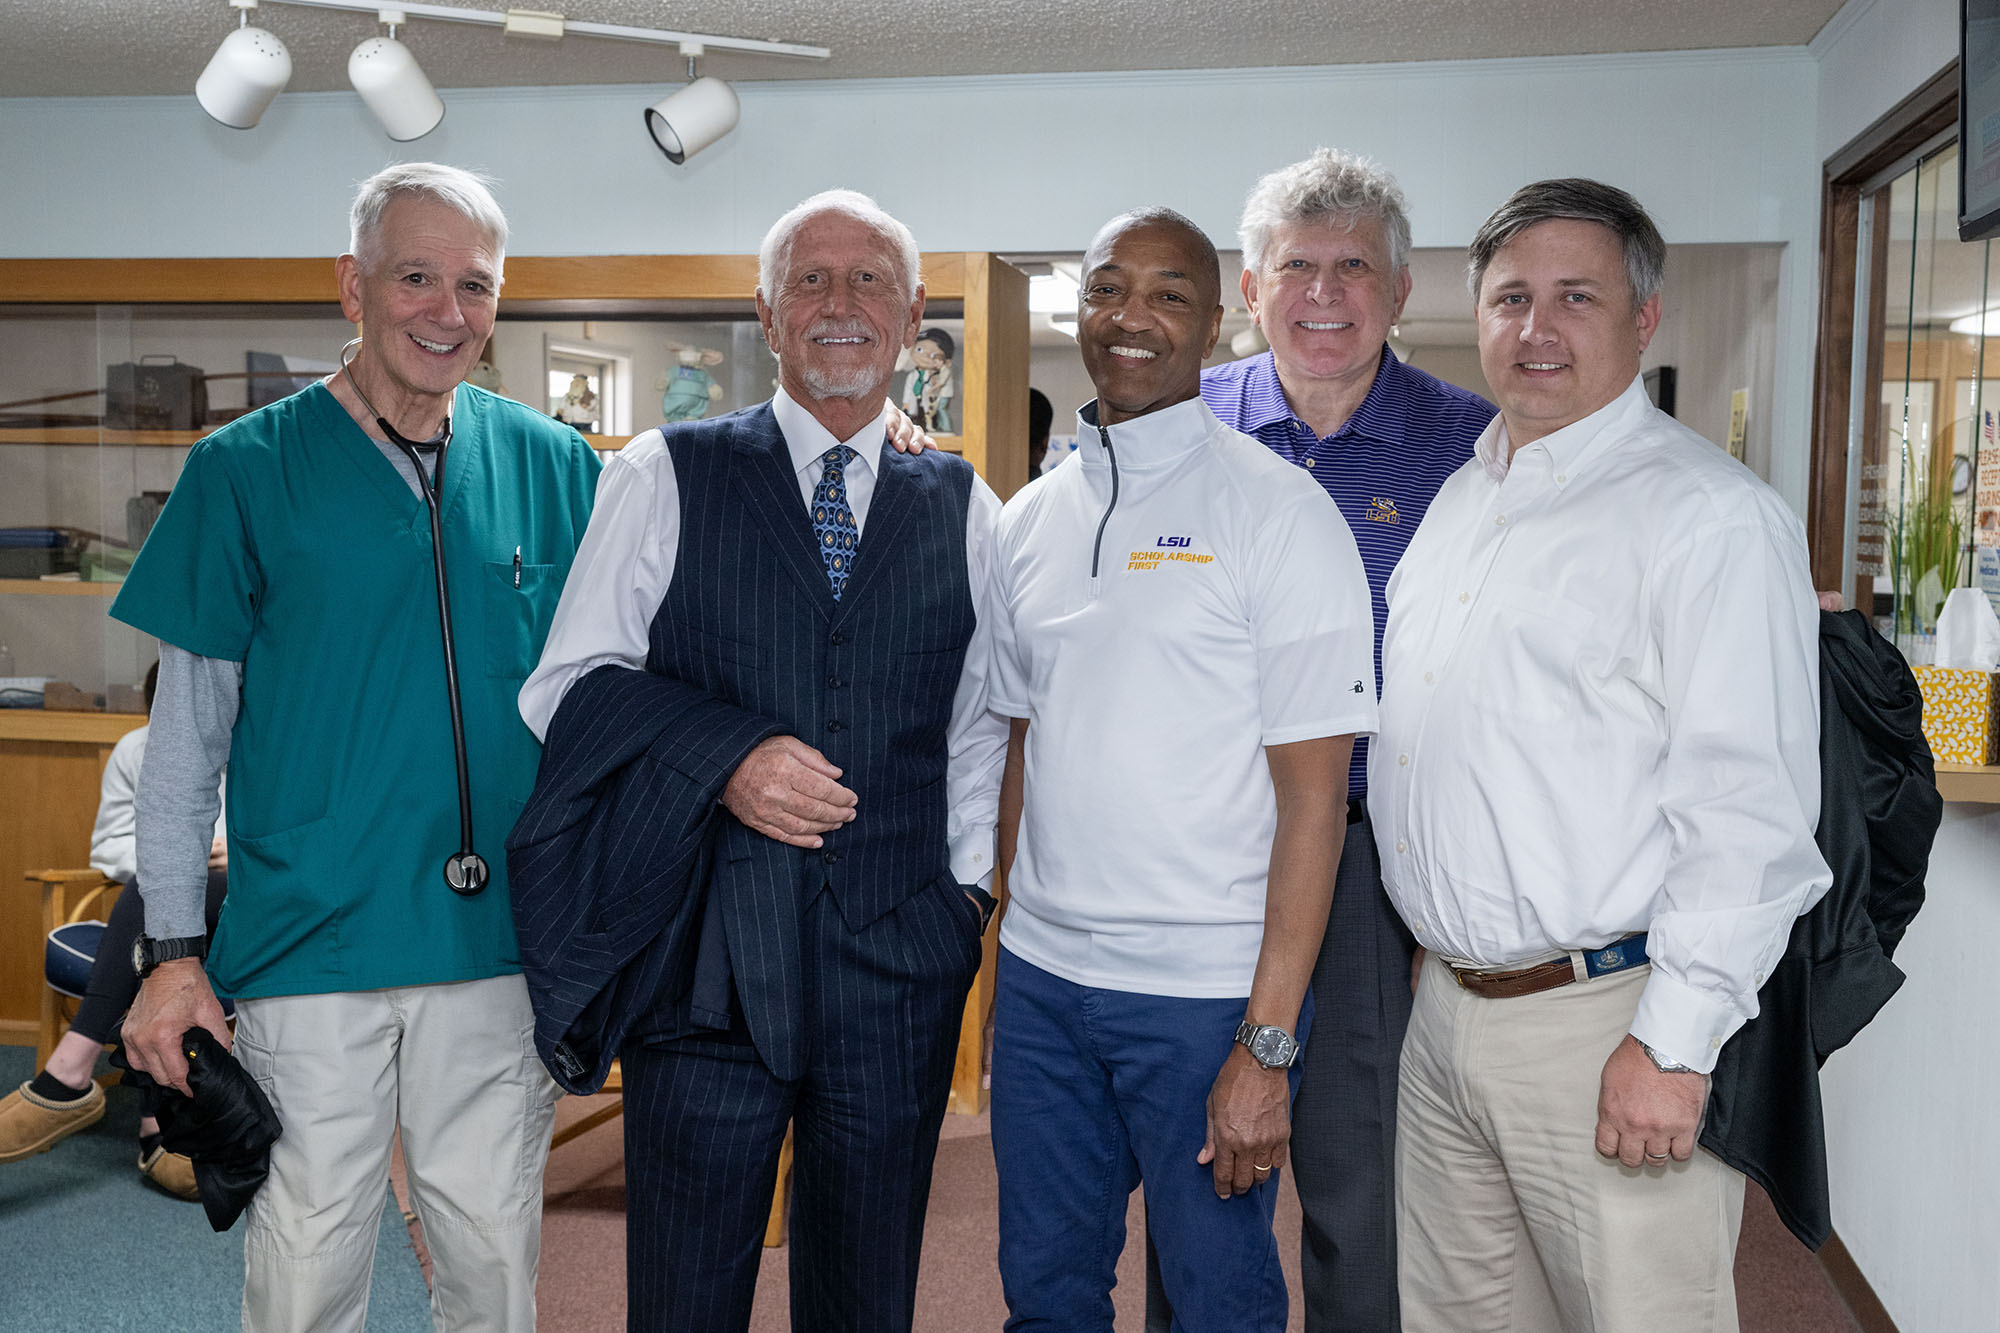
x=1507, y=1218
x=454, y=1067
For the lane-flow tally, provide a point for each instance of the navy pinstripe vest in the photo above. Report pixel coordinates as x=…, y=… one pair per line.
x=868, y=680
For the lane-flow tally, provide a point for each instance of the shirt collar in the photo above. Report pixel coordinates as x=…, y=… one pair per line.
x=1570, y=449
x=807, y=441
x=1380, y=415
x=1158, y=437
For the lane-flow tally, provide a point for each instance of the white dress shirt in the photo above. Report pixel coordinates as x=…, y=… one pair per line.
x=626, y=563
x=1600, y=715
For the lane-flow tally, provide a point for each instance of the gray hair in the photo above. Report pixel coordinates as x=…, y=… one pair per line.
x=1330, y=186
x=462, y=191
x=1576, y=200
x=776, y=248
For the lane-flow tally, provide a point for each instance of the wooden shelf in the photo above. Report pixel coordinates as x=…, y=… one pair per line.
x=59, y=588
x=38, y=724
x=1970, y=784
x=94, y=435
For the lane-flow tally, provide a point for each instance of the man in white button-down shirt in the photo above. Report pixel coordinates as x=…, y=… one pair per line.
x=1594, y=792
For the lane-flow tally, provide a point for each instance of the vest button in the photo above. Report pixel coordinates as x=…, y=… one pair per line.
x=836, y=638
x=834, y=682
x=829, y=858
x=836, y=725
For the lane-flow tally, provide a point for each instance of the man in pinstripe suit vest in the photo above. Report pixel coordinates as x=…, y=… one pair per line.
x=781, y=561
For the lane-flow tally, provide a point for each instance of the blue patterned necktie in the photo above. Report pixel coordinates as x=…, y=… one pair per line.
x=833, y=521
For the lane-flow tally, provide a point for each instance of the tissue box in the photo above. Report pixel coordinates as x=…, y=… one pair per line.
x=1961, y=713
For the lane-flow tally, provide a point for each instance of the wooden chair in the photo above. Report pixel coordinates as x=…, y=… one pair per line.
x=68, y=896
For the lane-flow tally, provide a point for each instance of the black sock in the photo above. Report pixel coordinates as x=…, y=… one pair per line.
x=148, y=1142
x=47, y=1085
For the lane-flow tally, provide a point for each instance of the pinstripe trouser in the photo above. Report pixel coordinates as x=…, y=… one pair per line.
x=704, y=1120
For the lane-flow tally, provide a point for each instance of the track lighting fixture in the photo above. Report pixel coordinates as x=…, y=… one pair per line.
x=252, y=66
x=247, y=71
x=685, y=122
x=390, y=81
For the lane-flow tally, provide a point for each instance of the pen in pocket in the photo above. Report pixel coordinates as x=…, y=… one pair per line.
x=517, y=566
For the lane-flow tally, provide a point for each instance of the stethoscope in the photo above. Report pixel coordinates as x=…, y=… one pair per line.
x=466, y=870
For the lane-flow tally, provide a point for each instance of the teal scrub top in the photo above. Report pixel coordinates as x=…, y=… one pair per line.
x=291, y=545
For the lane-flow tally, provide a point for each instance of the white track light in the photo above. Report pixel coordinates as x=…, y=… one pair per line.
x=247, y=71
x=693, y=118
x=389, y=80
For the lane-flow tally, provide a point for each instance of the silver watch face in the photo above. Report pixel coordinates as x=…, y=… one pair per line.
x=1272, y=1047
x=139, y=956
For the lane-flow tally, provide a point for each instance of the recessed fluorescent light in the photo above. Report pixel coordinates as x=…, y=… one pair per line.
x=1973, y=324
x=1052, y=294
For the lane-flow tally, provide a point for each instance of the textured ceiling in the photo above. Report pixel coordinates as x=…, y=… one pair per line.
x=106, y=47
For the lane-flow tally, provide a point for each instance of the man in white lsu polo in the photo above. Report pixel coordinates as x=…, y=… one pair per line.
x=1185, y=644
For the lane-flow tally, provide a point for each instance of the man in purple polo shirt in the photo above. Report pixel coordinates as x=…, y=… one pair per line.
x=1326, y=247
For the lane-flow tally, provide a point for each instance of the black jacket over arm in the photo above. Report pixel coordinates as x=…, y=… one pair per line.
x=1879, y=811
x=608, y=860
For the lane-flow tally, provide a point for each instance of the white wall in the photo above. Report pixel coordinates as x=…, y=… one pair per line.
x=1909, y=1105
x=1873, y=54
x=1719, y=332
x=1715, y=143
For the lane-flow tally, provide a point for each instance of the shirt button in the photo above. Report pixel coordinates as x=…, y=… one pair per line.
x=1309, y=462
x=1427, y=677
x=1402, y=846
x=1715, y=1043
x=1465, y=597
x=836, y=725
x=1403, y=760
x=1560, y=479
x=1500, y=520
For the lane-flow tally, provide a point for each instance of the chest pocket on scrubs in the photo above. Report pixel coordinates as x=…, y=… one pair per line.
x=517, y=619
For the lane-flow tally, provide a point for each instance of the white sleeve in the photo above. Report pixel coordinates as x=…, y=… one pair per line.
x=1738, y=627
x=113, y=839
x=977, y=739
x=621, y=573
x=1313, y=625
x=1007, y=670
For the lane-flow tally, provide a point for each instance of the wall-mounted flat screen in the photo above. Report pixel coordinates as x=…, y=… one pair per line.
x=1978, y=119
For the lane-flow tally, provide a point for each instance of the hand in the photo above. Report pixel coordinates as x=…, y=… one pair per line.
x=785, y=789
x=175, y=998
x=905, y=434
x=1249, y=1123
x=1832, y=601
x=1417, y=967
x=1643, y=1115
x=218, y=854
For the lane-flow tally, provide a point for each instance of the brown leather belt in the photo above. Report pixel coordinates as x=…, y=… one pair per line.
x=1617, y=957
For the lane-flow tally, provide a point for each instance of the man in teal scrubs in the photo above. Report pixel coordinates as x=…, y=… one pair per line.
x=292, y=584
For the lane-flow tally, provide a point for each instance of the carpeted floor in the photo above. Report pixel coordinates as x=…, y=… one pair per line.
x=85, y=1243
x=1780, y=1287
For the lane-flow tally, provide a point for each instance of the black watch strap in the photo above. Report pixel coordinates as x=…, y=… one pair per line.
x=988, y=904
x=148, y=953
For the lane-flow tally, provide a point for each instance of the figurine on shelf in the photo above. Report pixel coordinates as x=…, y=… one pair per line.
x=928, y=393
x=691, y=390
x=579, y=407
x=486, y=373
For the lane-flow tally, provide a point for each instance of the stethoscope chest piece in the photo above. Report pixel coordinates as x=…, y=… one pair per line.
x=466, y=872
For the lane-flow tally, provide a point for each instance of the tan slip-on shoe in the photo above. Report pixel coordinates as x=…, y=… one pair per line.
x=171, y=1172
x=31, y=1123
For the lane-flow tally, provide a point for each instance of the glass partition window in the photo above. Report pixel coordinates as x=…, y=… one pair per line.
x=1930, y=478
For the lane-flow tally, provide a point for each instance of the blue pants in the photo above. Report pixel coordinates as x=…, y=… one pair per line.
x=1093, y=1092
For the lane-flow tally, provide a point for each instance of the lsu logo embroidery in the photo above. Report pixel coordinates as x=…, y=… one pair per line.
x=1610, y=958
x=1168, y=550
x=1382, y=510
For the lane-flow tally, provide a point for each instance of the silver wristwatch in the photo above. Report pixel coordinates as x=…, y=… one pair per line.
x=1663, y=1064
x=1271, y=1047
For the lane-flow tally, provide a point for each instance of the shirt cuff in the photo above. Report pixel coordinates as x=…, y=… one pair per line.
x=1683, y=1024
x=972, y=856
